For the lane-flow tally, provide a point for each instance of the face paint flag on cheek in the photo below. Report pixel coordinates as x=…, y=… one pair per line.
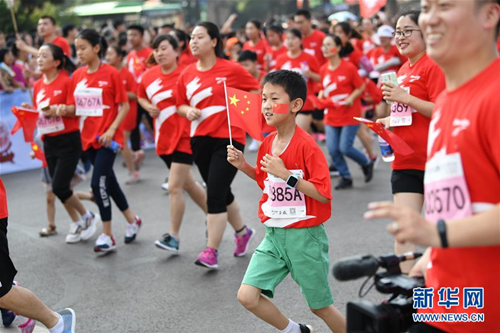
x=280, y=108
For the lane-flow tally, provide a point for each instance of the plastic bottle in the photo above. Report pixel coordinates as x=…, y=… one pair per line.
x=385, y=150
x=114, y=146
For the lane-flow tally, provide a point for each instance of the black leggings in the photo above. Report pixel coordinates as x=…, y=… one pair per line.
x=7, y=269
x=210, y=155
x=135, y=134
x=62, y=153
x=104, y=184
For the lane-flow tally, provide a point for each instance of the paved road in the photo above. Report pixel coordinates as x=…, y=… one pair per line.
x=143, y=289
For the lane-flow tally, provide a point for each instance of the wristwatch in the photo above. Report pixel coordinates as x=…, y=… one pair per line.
x=292, y=181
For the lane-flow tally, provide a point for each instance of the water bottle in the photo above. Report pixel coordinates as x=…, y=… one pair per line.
x=114, y=146
x=385, y=150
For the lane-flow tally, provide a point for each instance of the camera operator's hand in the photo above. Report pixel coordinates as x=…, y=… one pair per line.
x=408, y=226
x=420, y=267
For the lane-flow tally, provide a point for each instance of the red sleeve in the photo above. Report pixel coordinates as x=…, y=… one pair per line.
x=70, y=98
x=317, y=166
x=243, y=80
x=35, y=92
x=313, y=64
x=181, y=98
x=131, y=84
x=357, y=81
x=435, y=82
x=374, y=92
x=4, y=212
x=120, y=90
x=141, y=90
x=489, y=133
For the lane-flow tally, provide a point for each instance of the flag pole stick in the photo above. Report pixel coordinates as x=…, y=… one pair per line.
x=228, y=117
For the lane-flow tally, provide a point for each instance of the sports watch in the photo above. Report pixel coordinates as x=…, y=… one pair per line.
x=292, y=181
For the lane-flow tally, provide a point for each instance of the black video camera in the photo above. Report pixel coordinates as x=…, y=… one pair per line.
x=391, y=316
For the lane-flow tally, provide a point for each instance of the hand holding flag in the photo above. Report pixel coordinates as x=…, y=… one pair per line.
x=397, y=144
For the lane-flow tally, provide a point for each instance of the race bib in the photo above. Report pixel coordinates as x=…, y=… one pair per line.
x=49, y=125
x=446, y=193
x=283, y=202
x=401, y=113
x=89, y=102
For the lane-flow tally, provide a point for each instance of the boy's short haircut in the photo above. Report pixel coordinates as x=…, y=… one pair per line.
x=137, y=28
x=50, y=18
x=292, y=82
x=247, y=55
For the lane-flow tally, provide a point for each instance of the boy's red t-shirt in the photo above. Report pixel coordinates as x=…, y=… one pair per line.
x=260, y=49
x=108, y=79
x=205, y=91
x=171, y=129
x=465, y=121
x=337, y=85
x=425, y=81
x=54, y=93
x=136, y=62
x=294, y=64
x=4, y=211
x=302, y=153
x=130, y=121
x=63, y=44
x=312, y=45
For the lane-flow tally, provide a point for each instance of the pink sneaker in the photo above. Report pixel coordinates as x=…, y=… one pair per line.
x=28, y=326
x=242, y=242
x=208, y=258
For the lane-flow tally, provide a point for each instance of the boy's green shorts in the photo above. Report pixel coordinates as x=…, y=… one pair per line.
x=303, y=253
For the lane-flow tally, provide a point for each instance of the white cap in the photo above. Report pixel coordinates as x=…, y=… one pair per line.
x=385, y=31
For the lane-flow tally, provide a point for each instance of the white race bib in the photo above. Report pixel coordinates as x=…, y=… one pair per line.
x=89, y=102
x=283, y=202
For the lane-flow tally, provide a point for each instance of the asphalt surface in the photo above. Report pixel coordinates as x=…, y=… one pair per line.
x=141, y=288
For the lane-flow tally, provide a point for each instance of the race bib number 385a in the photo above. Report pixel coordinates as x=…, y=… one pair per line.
x=283, y=202
x=89, y=102
x=446, y=193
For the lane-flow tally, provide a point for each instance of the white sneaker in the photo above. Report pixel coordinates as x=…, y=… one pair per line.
x=132, y=230
x=133, y=178
x=75, y=233
x=164, y=186
x=90, y=226
x=104, y=244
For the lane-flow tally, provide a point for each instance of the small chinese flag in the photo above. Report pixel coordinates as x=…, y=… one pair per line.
x=397, y=144
x=369, y=8
x=244, y=110
x=39, y=155
x=280, y=108
x=27, y=120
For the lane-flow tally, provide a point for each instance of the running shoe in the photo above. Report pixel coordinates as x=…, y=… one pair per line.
x=28, y=326
x=104, y=243
x=132, y=230
x=8, y=317
x=333, y=171
x=164, y=186
x=368, y=171
x=208, y=258
x=306, y=328
x=90, y=226
x=69, y=319
x=75, y=233
x=139, y=156
x=133, y=178
x=344, y=183
x=242, y=242
x=169, y=243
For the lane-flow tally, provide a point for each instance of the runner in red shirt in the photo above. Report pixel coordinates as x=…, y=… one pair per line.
x=296, y=192
x=255, y=43
x=47, y=30
x=200, y=98
x=311, y=38
x=114, y=57
x=59, y=129
x=349, y=53
x=97, y=91
x=295, y=59
x=420, y=82
x=342, y=87
x=157, y=95
x=274, y=35
x=136, y=63
x=186, y=57
x=462, y=174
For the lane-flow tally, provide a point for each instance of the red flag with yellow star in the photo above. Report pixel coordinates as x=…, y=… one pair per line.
x=39, y=155
x=27, y=120
x=397, y=144
x=244, y=111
